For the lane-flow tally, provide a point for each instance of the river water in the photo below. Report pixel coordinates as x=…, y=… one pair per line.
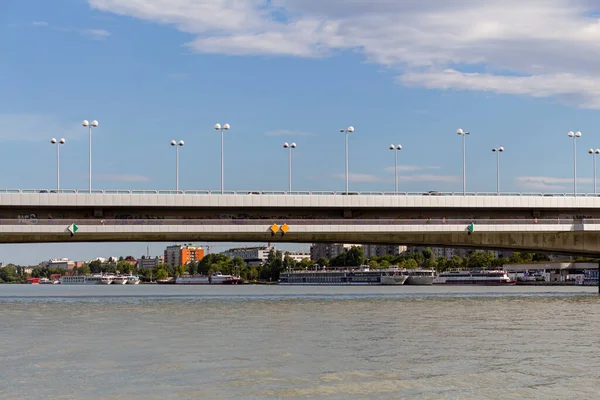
x=275, y=342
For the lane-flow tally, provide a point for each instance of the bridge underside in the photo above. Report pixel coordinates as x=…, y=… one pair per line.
x=570, y=242
x=159, y=212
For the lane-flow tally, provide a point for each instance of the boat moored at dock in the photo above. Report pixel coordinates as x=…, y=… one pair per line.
x=216, y=279
x=474, y=277
x=81, y=280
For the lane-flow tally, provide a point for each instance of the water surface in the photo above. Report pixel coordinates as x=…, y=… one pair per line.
x=280, y=342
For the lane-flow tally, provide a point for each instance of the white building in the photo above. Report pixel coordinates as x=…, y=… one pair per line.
x=251, y=255
x=62, y=263
x=380, y=250
x=297, y=255
x=329, y=250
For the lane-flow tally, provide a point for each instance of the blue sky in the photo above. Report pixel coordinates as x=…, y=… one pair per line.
x=514, y=74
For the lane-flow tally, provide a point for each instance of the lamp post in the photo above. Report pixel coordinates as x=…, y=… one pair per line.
x=224, y=127
x=594, y=153
x=574, y=136
x=397, y=148
x=288, y=146
x=57, y=143
x=93, y=124
x=464, y=134
x=348, y=130
x=498, y=150
x=177, y=145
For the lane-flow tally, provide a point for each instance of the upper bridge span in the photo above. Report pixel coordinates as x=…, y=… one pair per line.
x=254, y=204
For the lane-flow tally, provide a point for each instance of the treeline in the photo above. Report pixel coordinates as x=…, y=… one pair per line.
x=278, y=262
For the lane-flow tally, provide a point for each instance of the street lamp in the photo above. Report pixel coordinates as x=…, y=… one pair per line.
x=498, y=151
x=348, y=130
x=464, y=135
x=594, y=153
x=177, y=145
x=57, y=143
x=225, y=127
x=93, y=124
x=290, y=147
x=398, y=148
x=574, y=136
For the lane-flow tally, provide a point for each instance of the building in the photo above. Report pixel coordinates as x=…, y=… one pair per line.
x=178, y=254
x=251, y=255
x=328, y=250
x=297, y=255
x=62, y=263
x=149, y=262
x=380, y=250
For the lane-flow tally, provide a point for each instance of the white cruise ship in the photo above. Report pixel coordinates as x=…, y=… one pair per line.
x=81, y=280
x=133, y=280
x=475, y=277
x=358, y=276
x=119, y=280
x=216, y=279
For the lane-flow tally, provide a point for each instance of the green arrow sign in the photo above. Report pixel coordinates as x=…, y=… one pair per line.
x=73, y=228
x=471, y=228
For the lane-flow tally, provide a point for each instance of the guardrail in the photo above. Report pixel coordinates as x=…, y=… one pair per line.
x=292, y=222
x=284, y=193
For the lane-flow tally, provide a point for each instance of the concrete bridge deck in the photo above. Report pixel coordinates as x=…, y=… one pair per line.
x=564, y=236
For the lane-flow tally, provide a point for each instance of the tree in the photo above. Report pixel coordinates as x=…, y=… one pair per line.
x=124, y=267
x=541, y=257
x=322, y=262
x=480, y=260
x=8, y=273
x=454, y=263
x=409, y=264
x=306, y=263
x=355, y=256
x=160, y=274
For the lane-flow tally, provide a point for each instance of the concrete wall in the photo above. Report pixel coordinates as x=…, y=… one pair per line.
x=312, y=201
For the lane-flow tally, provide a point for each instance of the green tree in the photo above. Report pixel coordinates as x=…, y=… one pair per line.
x=124, y=267
x=454, y=263
x=480, y=260
x=409, y=263
x=355, y=256
x=322, y=262
x=8, y=273
x=161, y=274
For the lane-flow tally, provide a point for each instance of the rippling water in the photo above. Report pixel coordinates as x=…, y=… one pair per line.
x=264, y=342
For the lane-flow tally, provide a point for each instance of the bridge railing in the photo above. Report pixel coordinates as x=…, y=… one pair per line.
x=284, y=193
x=292, y=221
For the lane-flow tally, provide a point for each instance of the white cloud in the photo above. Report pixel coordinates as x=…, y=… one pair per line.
x=24, y=127
x=549, y=183
x=123, y=178
x=39, y=23
x=411, y=168
x=353, y=177
x=97, y=33
x=356, y=177
x=428, y=178
x=289, y=133
x=536, y=48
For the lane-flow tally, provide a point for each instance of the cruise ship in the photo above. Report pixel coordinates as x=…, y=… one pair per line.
x=419, y=276
x=133, y=280
x=474, y=277
x=119, y=280
x=359, y=276
x=216, y=279
x=81, y=280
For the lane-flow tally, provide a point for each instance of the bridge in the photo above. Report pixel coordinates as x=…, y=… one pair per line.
x=532, y=222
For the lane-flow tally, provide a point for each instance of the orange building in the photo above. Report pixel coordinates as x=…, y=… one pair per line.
x=183, y=254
